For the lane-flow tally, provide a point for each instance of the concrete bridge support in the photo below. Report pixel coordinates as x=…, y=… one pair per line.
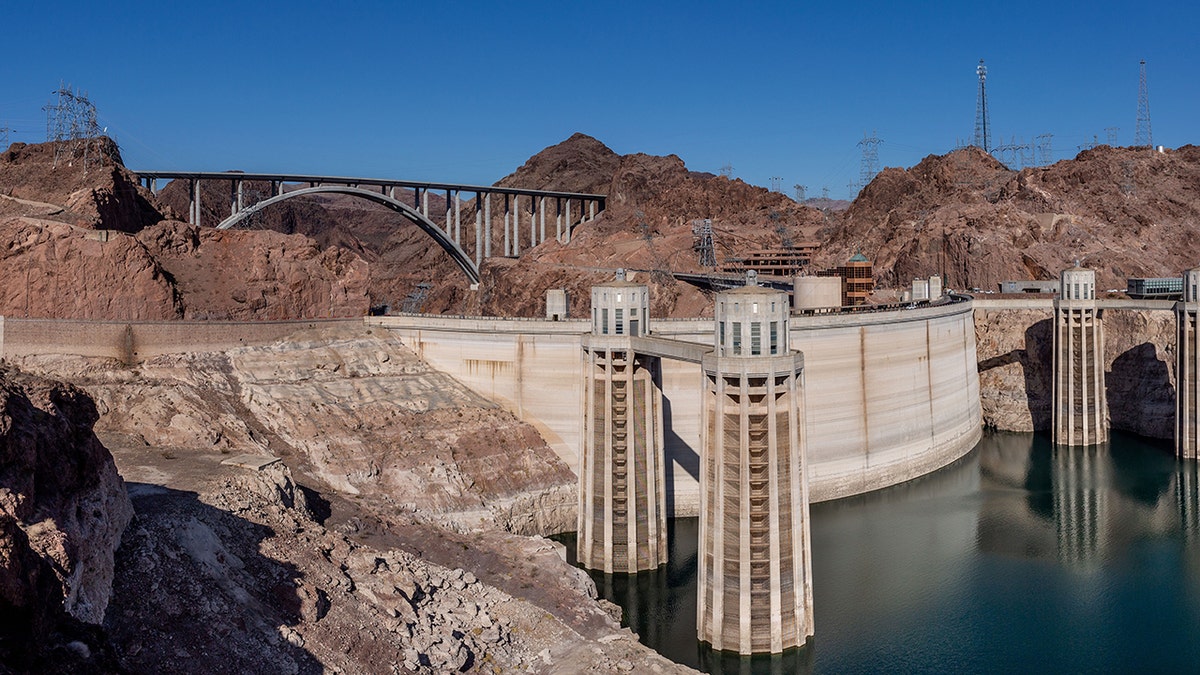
x=1079, y=410
x=622, y=478
x=1187, y=368
x=755, y=569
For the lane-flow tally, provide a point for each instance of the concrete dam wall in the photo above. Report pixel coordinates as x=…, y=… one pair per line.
x=889, y=395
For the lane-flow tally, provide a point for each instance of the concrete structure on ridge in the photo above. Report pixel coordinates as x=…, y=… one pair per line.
x=1079, y=412
x=1187, y=368
x=755, y=571
x=622, y=497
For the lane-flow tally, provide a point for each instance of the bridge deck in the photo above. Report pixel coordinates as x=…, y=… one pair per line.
x=353, y=180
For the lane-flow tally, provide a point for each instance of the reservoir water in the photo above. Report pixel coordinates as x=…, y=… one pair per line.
x=1021, y=557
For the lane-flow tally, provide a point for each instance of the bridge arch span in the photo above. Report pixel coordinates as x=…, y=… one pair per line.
x=428, y=226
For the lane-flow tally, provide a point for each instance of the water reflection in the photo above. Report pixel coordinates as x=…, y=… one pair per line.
x=1081, y=505
x=1020, y=557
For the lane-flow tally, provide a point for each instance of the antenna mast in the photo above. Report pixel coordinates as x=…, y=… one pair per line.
x=1143, y=137
x=982, y=140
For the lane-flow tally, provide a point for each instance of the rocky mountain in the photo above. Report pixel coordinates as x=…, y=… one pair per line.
x=1125, y=212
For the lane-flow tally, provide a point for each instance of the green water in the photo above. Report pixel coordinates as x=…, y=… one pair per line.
x=1019, y=558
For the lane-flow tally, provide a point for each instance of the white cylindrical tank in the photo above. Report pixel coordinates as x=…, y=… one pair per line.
x=817, y=292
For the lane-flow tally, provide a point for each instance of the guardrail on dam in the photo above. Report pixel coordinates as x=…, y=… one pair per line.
x=890, y=395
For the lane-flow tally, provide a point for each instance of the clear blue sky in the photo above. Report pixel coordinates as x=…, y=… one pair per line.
x=466, y=91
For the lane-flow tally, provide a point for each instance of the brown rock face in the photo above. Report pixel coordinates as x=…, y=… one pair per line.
x=62, y=511
x=95, y=191
x=53, y=270
x=238, y=274
x=1123, y=211
x=1016, y=369
x=647, y=224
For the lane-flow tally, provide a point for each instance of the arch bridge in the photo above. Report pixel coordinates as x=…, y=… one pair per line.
x=523, y=212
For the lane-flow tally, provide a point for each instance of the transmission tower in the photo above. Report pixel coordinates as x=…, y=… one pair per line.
x=1110, y=136
x=71, y=125
x=1044, y=152
x=982, y=140
x=727, y=170
x=870, y=158
x=824, y=192
x=776, y=184
x=4, y=131
x=1143, y=137
x=702, y=242
x=800, y=190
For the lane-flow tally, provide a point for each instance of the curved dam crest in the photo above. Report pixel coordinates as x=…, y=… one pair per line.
x=890, y=396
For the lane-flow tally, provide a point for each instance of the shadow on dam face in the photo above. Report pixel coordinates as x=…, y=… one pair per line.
x=674, y=448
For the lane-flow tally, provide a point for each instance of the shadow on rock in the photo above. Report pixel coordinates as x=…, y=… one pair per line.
x=193, y=593
x=1140, y=395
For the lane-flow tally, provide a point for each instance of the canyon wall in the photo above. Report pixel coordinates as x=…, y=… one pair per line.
x=1015, y=348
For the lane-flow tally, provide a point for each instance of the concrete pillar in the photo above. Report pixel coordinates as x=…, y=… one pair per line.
x=558, y=227
x=241, y=196
x=196, y=202
x=1187, y=368
x=425, y=203
x=622, y=497
x=449, y=207
x=542, y=218
x=487, y=225
x=233, y=197
x=592, y=209
x=457, y=219
x=568, y=222
x=391, y=192
x=507, y=242
x=153, y=186
x=516, y=225
x=755, y=569
x=1079, y=410
x=478, y=229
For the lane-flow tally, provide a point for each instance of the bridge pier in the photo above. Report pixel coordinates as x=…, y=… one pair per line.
x=1079, y=411
x=487, y=225
x=1187, y=368
x=755, y=569
x=194, y=207
x=622, y=498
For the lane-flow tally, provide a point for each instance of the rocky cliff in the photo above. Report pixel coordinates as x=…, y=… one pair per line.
x=1015, y=350
x=1124, y=212
x=80, y=239
x=63, y=509
x=331, y=502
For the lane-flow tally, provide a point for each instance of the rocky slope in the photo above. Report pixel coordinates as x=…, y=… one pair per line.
x=1124, y=212
x=82, y=184
x=402, y=550
x=63, y=509
x=81, y=240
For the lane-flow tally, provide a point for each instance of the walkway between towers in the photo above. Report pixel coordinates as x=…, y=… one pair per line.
x=523, y=210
